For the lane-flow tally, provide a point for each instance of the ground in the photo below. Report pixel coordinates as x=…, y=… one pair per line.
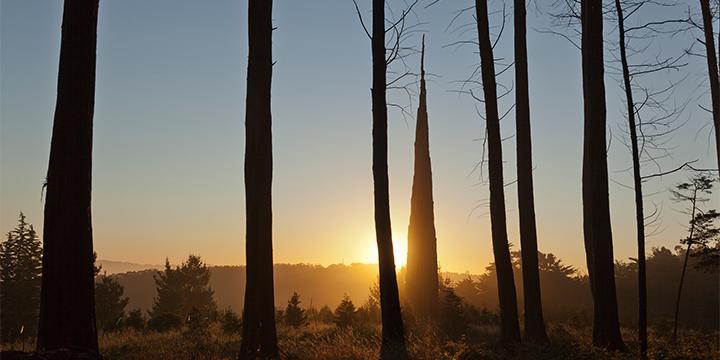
x=324, y=341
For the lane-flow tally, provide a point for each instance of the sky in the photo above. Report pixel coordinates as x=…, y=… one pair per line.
x=169, y=133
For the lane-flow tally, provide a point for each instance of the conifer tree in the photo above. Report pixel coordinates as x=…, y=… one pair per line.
x=294, y=314
x=20, y=274
x=109, y=303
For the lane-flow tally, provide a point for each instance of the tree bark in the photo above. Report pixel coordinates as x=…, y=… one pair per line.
x=534, y=322
x=259, y=339
x=712, y=63
x=596, y=204
x=637, y=181
x=393, y=341
x=67, y=305
x=422, y=268
x=510, y=329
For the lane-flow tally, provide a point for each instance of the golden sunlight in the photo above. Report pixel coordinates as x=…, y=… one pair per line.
x=399, y=249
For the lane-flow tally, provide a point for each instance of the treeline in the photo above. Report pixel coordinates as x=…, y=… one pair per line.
x=184, y=298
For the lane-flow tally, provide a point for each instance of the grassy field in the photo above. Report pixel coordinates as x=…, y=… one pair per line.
x=323, y=342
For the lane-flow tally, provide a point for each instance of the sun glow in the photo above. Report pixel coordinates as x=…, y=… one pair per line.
x=399, y=249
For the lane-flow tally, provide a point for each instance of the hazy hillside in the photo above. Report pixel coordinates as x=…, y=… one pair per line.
x=323, y=285
x=116, y=267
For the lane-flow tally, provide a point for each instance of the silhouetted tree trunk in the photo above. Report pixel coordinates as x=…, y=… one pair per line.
x=510, y=329
x=67, y=305
x=422, y=268
x=259, y=339
x=693, y=201
x=596, y=203
x=534, y=323
x=712, y=70
x=637, y=182
x=393, y=341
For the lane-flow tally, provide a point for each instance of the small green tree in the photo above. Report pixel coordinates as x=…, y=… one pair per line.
x=452, y=314
x=20, y=275
x=345, y=313
x=230, y=322
x=294, y=314
x=109, y=303
x=325, y=315
x=182, y=289
x=707, y=241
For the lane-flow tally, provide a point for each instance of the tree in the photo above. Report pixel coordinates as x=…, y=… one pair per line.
x=109, y=303
x=294, y=314
x=596, y=205
x=694, y=193
x=393, y=339
x=637, y=185
x=534, y=322
x=197, y=293
x=20, y=276
x=183, y=290
x=510, y=329
x=712, y=64
x=422, y=269
x=230, y=322
x=169, y=299
x=259, y=337
x=453, y=322
x=67, y=303
x=707, y=241
x=345, y=313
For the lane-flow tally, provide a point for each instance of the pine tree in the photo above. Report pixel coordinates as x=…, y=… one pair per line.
x=345, y=313
x=294, y=314
x=109, y=303
x=20, y=274
x=182, y=289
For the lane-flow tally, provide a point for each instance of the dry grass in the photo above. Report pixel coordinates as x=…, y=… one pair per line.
x=326, y=342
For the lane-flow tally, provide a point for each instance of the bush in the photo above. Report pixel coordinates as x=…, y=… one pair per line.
x=164, y=322
x=135, y=320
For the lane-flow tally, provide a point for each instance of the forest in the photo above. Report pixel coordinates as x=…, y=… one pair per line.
x=57, y=302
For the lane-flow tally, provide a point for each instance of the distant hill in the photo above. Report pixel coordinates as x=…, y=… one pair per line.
x=321, y=285
x=116, y=267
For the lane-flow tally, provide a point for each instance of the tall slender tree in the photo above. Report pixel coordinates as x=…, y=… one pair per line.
x=712, y=64
x=259, y=338
x=534, y=322
x=422, y=268
x=393, y=340
x=596, y=203
x=637, y=183
x=510, y=329
x=67, y=301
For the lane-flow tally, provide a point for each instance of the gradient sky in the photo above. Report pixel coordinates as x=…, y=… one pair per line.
x=169, y=134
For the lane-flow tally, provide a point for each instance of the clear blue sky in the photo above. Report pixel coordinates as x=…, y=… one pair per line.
x=168, y=148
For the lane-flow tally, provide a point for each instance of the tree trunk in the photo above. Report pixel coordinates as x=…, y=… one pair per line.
x=67, y=305
x=259, y=339
x=712, y=71
x=685, y=262
x=596, y=204
x=637, y=181
x=393, y=341
x=534, y=323
x=510, y=329
x=422, y=268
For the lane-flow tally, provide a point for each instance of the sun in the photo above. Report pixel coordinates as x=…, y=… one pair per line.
x=399, y=249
